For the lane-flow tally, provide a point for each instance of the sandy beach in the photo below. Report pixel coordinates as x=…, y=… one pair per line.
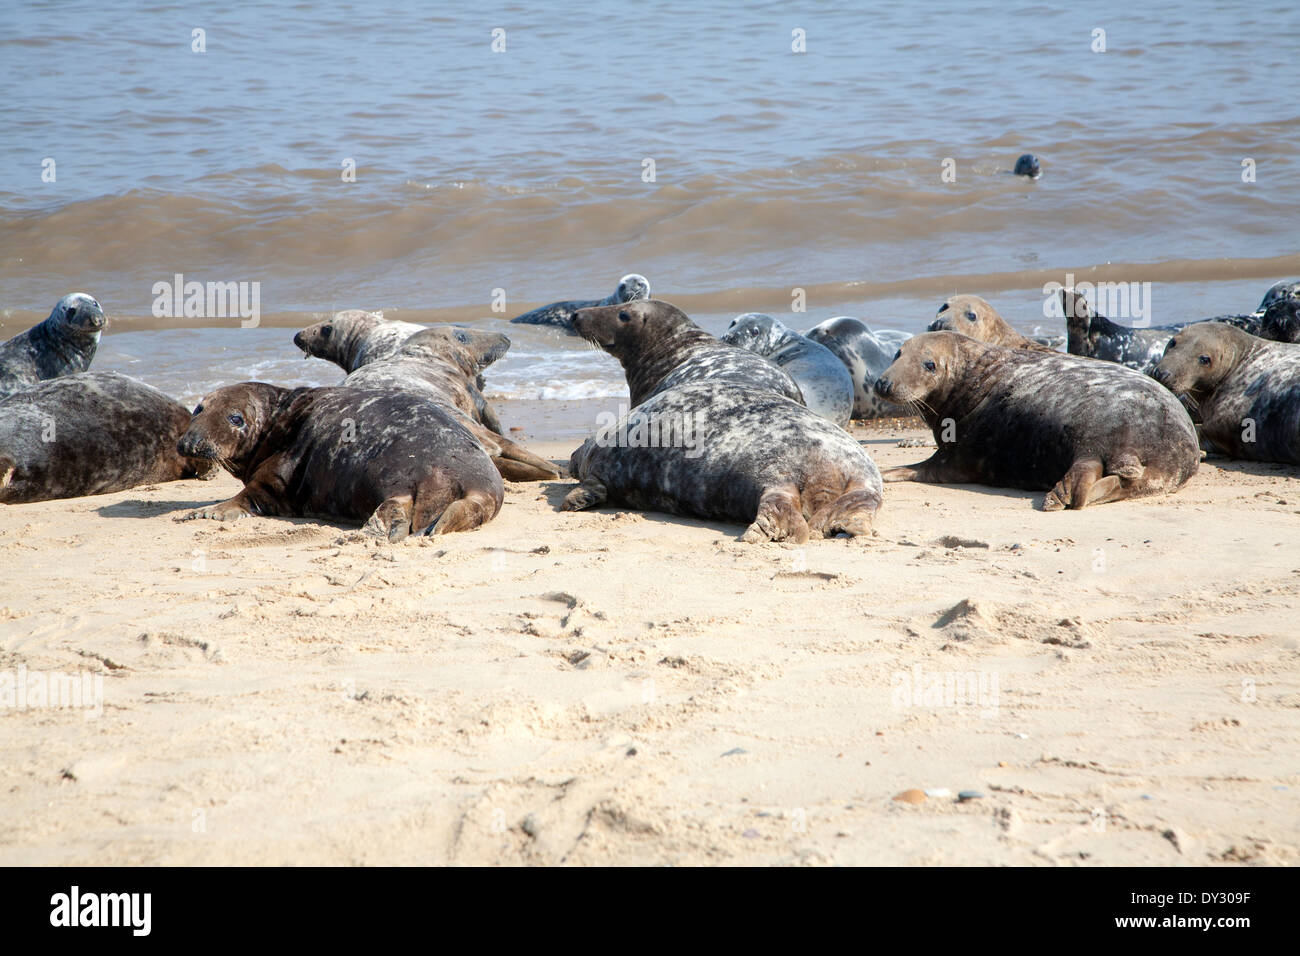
x=624, y=688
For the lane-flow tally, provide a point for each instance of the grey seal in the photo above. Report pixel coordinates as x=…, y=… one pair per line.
x=62, y=344
x=630, y=288
x=711, y=443
x=822, y=378
x=865, y=354
x=1087, y=432
x=90, y=433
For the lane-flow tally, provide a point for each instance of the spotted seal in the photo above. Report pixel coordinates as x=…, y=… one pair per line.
x=1246, y=390
x=391, y=459
x=822, y=378
x=630, y=288
x=1281, y=321
x=707, y=439
x=62, y=344
x=865, y=354
x=90, y=433
x=1091, y=432
x=971, y=316
x=442, y=363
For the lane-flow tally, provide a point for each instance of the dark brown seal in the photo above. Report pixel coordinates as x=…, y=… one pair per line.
x=715, y=434
x=1245, y=390
x=1089, y=431
x=391, y=459
x=971, y=316
x=90, y=434
x=441, y=363
x=62, y=344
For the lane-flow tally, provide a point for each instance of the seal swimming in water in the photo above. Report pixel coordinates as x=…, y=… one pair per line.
x=630, y=288
x=90, y=433
x=391, y=459
x=1246, y=390
x=1091, y=432
x=1141, y=348
x=683, y=352
x=1028, y=165
x=706, y=440
x=353, y=338
x=441, y=363
x=971, y=316
x=822, y=378
x=62, y=344
x=865, y=354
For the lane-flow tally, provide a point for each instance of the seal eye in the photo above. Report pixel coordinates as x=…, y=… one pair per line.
x=942, y=309
x=325, y=331
x=236, y=420
x=197, y=409
x=929, y=366
x=1203, y=359
x=970, y=315
x=624, y=317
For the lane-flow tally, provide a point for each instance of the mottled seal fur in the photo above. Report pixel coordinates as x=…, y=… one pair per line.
x=1098, y=337
x=391, y=459
x=90, y=433
x=62, y=344
x=1281, y=321
x=660, y=347
x=714, y=445
x=630, y=288
x=971, y=316
x=865, y=355
x=441, y=363
x=353, y=338
x=1246, y=390
x=822, y=378
x=1091, y=432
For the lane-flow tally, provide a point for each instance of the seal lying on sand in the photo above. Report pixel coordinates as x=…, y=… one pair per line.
x=865, y=354
x=1246, y=390
x=683, y=352
x=391, y=459
x=629, y=289
x=971, y=316
x=1142, y=348
x=64, y=343
x=353, y=338
x=822, y=378
x=90, y=434
x=1020, y=418
x=716, y=445
x=441, y=364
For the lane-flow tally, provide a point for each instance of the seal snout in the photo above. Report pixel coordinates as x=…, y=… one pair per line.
x=194, y=445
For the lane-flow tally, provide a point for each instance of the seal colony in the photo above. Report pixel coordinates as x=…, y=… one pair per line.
x=748, y=428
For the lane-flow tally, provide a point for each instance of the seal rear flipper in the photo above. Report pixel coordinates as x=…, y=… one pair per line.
x=1084, y=485
x=852, y=513
x=779, y=517
x=1126, y=465
x=465, y=514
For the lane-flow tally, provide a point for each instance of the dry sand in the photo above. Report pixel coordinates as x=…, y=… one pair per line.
x=613, y=687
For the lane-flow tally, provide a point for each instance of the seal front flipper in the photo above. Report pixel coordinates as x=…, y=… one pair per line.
x=589, y=494
x=937, y=469
x=231, y=510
